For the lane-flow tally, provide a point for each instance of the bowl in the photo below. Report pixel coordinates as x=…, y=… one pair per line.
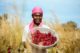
x=43, y=30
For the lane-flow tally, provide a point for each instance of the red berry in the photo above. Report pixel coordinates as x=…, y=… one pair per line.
x=43, y=38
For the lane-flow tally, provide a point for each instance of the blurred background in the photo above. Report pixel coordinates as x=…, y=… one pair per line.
x=64, y=10
x=60, y=15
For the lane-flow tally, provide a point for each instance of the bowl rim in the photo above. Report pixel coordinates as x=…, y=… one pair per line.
x=40, y=46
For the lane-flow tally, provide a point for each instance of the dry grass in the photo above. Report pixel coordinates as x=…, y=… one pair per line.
x=69, y=39
x=11, y=34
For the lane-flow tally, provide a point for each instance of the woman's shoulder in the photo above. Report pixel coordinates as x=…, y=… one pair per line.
x=45, y=26
x=26, y=28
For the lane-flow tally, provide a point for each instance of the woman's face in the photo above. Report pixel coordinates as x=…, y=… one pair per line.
x=37, y=18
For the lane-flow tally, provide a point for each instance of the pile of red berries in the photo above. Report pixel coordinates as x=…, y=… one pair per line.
x=44, y=39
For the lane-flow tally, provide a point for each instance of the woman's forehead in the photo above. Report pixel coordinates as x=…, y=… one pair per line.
x=37, y=14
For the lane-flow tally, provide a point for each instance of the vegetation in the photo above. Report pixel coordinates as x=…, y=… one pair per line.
x=11, y=34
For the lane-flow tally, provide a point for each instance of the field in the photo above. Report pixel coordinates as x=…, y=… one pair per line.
x=11, y=35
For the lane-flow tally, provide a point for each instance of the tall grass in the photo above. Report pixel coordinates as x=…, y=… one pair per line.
x=69, y=39
x=11, y=35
